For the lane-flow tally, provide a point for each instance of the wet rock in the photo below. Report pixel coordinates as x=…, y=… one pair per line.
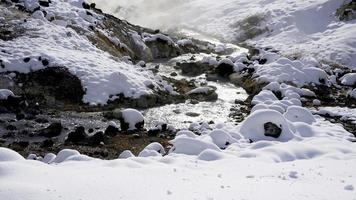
x=112, y=131
x=44, y=3
x=224, y=70
x=272, y=130
x=77, y=136
x=53, y=130
x=193, y=68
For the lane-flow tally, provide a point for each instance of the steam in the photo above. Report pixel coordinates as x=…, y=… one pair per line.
x=161, y=14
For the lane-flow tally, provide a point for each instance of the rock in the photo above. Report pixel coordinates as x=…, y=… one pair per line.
x=153, y=132
x=194, y=68
x=44, y=3
x=53, y=130
x=111, y=131
x=174, y=74
x=47, y=143
x=272, y=130
x=77, y=136
x=192, y=114
x=97, y=138
x=130, y=119
x=224, y=70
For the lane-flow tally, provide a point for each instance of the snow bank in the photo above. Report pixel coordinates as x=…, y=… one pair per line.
x=9, y=155
x=4, y=94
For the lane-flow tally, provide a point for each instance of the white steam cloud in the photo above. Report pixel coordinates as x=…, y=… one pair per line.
x=163, y=14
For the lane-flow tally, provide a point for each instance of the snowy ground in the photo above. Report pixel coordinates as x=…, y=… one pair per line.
x=280, y=151
x=179, y=177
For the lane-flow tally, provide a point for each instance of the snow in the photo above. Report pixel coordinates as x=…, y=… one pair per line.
x=253, y=126
x=299, y=114
x=5, y=93
x=100, y=74
x=349, y=79
x=352, y=93
x=132, y=117
x=305, y=28
x=9, y=155
x=343, y=112
x=200, y=90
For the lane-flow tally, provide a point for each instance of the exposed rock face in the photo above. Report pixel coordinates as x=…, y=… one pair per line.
x=51, y=86
x=272, y=130
x=347, y=12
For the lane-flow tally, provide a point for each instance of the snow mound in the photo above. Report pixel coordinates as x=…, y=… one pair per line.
x=132, y=117
x=211, y=155
x=9, y=155
x=65, y=155
x=299, y=114
x=126, y=154
x=253, y=126
x=349, y=79
x=191, y=146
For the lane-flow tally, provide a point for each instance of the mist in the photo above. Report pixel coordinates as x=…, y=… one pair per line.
x=161, y=14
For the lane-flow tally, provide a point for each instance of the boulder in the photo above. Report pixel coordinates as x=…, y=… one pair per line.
x=77, y=136
x=53, y=130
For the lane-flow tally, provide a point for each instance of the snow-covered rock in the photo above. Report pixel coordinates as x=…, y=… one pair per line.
x=299, y=114
x=126, y=154
x=130, y=119
x=254, y=126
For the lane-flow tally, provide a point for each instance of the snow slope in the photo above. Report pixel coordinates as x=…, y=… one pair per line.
x=294, y=27
x=60, y=45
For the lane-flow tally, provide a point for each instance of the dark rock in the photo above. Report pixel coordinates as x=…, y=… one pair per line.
x=45, y=62
x=85, y=5
x=90, y=130
x=272, y=130
x=97, y=138
x=153, y=132
x=53, y=130
x=26, y=60
x=224, y=70
x=44, y=3
x=47, y=143
x=11, y=128
x=111, y=131
x=41, y=120
x=77, y=136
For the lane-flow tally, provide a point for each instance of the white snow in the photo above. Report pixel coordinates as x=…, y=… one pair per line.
x=5, y=93
x=253, y=127
x=132, y=117
x=305, y=28
x=200, y=90
x=100, y=74
x=349, y=79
